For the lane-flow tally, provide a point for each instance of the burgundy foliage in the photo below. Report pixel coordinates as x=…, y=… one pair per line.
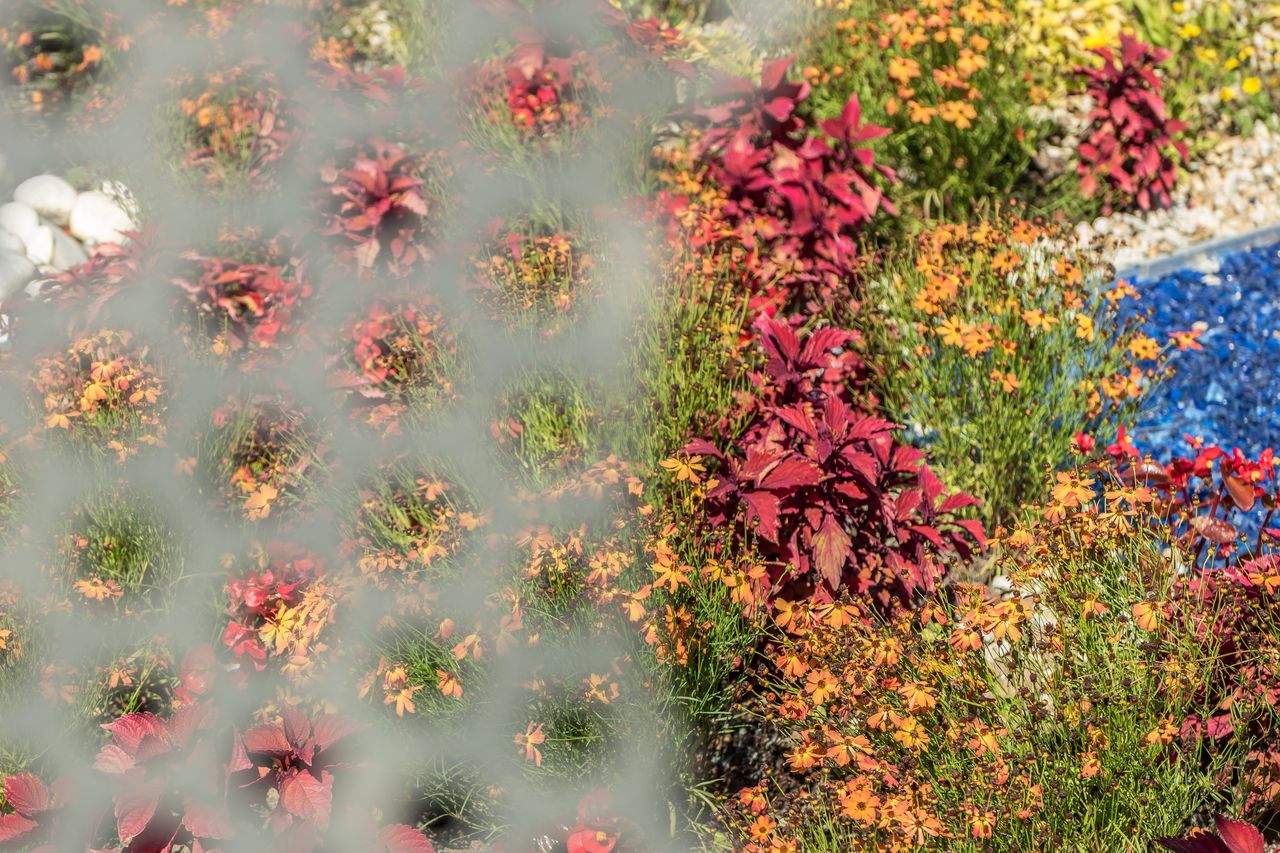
x=797, y=200
x=1127, y=154
x=1232, y=836
x=382, y=208
x=825, y=489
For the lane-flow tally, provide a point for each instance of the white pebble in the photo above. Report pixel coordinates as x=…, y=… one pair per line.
x=96, y=218
x=40, y=246
x=19, y=218
x=50, y=196
x=15, y=272
x=67, y=251
x=10, y=242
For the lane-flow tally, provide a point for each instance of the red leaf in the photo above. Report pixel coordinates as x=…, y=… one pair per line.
x=130, y=730
x=114, y=760
x=268, y=738
x=331, y=728
x=26, y=793
x=1239, y=836
x=367, y=252
x=15, y=827
x=398, y=838
x=1242, y=493
x=831, y=550
x=308, y=798
x=792, y=472
x=135, y=809
x=206, y=821
x=766, y=507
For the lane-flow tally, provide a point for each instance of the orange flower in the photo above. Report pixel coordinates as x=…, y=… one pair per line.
x=97, y=589
x=820, y=685
x=448, y=684
x=919, y=113
x=528, y=741
x=1008, y=382
x=903, y=69
x=959, y=113
x=1149, y=615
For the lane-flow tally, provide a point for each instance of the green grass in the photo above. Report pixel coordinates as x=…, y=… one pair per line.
x=547, y=427
x=124, y=539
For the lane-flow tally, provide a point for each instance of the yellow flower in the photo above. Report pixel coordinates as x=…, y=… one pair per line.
x=1189, y=30
x=1251, y=85
x=1226, y=94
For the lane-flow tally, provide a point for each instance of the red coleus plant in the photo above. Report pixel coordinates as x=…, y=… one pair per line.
x=1232, y=836
x=1207, y=513
x=296, y=757
x=796, y=199
x=1129, y=153
x=35, y=809
x=823, y=487
x=383, y=206
x=164, y=779
x=91, y=285
x=246, y=306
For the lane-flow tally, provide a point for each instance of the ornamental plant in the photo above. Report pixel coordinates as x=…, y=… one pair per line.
x=279, y=602
x=1128, y=155
x=382, y=203
x=947, y=79
x=244, y=298
x=262, y=456
x=409, y=521
x=996, y=345
x=400, y=359
x=1043, y=710
x=102, y=394
x=1210, y=516
x=531, y=274
x=60, y=56
x=825, y=490
x=796, y=199
x=117, y=548
x=232, y=128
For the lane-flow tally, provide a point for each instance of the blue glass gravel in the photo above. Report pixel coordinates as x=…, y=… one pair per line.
x=1228, y=392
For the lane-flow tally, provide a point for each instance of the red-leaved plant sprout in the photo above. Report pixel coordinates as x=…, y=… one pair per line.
x=165, y=780
x=796, y=200
x=384, y=205
x=1206, y=513
x=82, y=292
x=296, y=757
x=35, y=808
x=399, y=357
x=1231, y=836
x=187, y=782
x=824, y=489
x=1129, y=153
x=276, y=607
x=244, y=297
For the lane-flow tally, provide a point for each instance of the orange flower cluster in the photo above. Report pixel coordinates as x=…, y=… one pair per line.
x=104, y=391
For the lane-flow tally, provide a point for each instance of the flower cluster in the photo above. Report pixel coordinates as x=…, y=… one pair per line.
x=524, y=273
x=58, y=54
x=278, y=606
x=400, y=357
x=102, y=391
x=261, y=456
x=236, y=126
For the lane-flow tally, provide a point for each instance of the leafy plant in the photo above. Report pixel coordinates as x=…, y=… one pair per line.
x=1127, y=155
x=796, y=200
x=1232, y=836
x=385, y=205
x=833, y=500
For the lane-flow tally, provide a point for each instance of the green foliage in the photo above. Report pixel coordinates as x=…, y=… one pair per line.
x=996, y=352
x=960, y=141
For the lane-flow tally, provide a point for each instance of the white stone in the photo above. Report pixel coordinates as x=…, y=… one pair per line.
x=40, y=246
x=96, y=218
x=67, y=251
x=15, y=272
x=19, y=218
x=10, y=242
x=51, y=196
